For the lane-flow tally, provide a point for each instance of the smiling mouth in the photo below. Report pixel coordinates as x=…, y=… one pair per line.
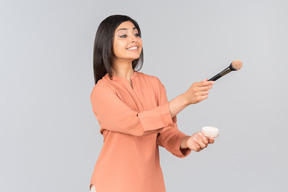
x=133, y=48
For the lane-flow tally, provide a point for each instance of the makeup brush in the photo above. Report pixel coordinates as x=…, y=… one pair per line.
x=234, y=66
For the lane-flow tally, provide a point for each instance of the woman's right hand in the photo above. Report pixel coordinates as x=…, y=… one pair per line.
x=198, y=91
x=197, y=142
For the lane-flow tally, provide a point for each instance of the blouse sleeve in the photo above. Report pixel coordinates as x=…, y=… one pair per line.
x=115, y=115
x=170, y=137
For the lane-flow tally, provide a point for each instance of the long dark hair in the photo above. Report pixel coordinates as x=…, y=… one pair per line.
x=103, y=46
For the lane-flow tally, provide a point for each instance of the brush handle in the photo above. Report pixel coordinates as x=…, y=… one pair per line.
x=222, y=73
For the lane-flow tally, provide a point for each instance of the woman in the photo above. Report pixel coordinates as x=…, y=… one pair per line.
x=134, y=114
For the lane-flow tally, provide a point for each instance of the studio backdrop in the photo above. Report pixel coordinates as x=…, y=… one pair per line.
x=49, y=136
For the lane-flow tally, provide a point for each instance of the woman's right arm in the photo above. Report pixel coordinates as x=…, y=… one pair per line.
x=115, y=115
x=196, y=93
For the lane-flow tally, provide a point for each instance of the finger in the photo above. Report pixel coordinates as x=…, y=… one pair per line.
x=202, y=144
x=195, y=146
x=203, y=98
x=204, y=138
x=203, y=93
x=203, y=88
x=211, y=140
x=206, y=83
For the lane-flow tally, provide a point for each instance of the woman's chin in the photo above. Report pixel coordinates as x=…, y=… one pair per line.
x=127, y=58
x=132, y=58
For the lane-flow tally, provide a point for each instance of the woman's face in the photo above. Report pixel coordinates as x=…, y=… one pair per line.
x=127, y=45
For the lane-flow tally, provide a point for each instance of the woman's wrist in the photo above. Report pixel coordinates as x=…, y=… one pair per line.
x=178, y=104
x=184, y=143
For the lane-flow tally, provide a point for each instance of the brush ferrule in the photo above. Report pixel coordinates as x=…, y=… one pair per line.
x=232, y=68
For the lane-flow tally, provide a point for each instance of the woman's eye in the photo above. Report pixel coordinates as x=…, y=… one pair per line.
x=137, y=35
x=123, y=36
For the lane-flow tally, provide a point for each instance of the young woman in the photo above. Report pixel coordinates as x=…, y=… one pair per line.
x=134, y=114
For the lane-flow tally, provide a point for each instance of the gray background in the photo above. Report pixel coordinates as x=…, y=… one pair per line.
x=50, y=137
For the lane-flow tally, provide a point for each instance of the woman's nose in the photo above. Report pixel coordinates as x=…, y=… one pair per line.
x=133, y=39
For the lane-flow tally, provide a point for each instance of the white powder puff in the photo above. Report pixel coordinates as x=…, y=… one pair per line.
x=210, y=131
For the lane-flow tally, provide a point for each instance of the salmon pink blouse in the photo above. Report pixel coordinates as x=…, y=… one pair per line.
x=134, y=121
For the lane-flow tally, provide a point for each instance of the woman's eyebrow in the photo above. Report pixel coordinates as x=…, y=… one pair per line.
x=126, y=29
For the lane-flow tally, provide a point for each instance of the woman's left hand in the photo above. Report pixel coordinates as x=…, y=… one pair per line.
x=197, y=142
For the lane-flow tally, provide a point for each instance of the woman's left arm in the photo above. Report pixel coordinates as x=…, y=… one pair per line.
x=176, y=142
x=170, y=137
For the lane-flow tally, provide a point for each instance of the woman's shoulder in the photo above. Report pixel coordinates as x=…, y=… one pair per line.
x=149, y=77
x=153, y=81
x=102, y=86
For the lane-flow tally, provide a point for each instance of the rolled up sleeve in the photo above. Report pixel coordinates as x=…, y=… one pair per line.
x=170, y=137
x=115, y=115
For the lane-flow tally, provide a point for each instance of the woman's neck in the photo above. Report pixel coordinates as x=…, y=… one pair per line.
x=123, y=69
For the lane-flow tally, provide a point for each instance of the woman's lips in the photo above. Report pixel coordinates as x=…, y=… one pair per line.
x=133, y=48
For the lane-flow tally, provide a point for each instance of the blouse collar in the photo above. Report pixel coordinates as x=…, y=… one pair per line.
x=117, y=78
